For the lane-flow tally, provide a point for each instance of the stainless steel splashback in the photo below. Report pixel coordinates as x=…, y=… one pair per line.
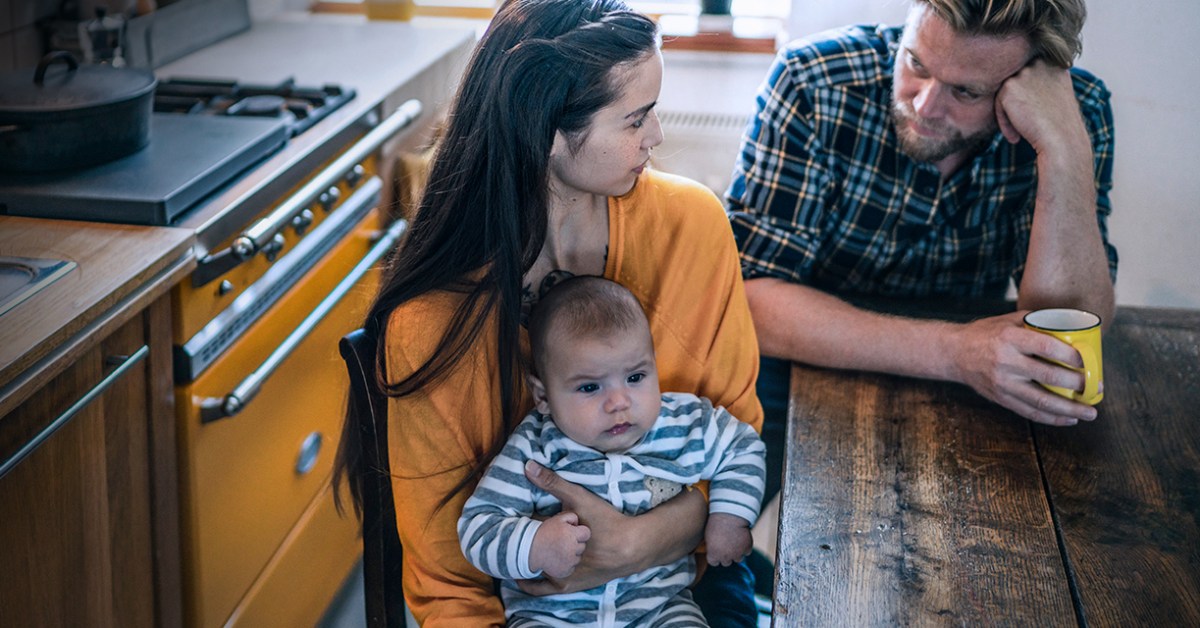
x=160, y=37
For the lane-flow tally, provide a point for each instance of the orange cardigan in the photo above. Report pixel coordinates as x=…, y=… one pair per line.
x=671, y=245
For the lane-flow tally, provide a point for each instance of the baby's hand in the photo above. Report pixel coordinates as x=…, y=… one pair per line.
x=727, y=537
x=558, y=544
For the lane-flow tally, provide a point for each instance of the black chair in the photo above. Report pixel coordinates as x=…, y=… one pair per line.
x=381, y=544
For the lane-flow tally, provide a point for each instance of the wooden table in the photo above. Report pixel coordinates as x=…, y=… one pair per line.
x=910, y=502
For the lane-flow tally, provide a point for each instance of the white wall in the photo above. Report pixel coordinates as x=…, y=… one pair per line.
x=813, y=16
x=1146, y=53
x=1142, y=51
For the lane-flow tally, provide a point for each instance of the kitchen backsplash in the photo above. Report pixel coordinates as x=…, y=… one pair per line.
x=21, y=40
x=21, y=37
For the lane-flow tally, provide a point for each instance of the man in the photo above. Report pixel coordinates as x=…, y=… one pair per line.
x=938, y=159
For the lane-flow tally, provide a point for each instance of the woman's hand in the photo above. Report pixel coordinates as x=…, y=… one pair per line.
x=620, y=545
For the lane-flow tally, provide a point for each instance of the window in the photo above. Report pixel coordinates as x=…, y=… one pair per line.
x=477, y=9
x=482, y=8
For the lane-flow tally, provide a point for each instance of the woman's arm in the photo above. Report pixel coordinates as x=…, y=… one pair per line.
x=434, y=438
x=441, y=588
x=620, y=545
x=681, y=261
x=730, y=370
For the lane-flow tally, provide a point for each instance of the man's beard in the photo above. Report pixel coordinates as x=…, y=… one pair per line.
x=935, y=149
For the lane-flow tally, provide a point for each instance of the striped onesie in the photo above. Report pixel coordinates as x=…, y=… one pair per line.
x=690, y=441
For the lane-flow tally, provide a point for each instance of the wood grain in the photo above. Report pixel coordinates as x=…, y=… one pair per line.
x=1127, y=487
x=76, y=527
x=164, y=466
x=910, y=502
x=127, y=481
x=121, y=269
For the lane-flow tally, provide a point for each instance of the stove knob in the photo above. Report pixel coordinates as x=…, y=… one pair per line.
x=329, y=198
x=244, y=248
x=302, y=221
x=271, y=249
x=224, y=288
x=355, y=175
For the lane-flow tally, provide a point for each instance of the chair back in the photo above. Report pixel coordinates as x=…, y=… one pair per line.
x=382, y=553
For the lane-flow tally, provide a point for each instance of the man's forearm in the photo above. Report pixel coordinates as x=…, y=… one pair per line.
x=804, y=324
x=1066, y=265
x=995, y=355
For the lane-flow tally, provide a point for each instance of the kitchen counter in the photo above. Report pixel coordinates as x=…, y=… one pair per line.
x=386, y=63
x=88, y=392
x=117, y=263
x=259, y=391
x=119, y=269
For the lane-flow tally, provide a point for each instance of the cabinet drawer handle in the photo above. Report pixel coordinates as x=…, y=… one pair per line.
x=127, y=362
x=214, y=408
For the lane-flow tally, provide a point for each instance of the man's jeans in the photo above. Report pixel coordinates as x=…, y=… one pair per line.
x=726, y=596
x=774, y=382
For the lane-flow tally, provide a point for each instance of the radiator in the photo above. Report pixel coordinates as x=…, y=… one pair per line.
x=701, y=146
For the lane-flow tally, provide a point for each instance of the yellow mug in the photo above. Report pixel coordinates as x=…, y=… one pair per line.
x=1081, y=330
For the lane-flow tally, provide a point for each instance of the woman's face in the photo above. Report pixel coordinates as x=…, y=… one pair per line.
x=617, y=145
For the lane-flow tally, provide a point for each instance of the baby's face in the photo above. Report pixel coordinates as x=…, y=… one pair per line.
x=602, y=391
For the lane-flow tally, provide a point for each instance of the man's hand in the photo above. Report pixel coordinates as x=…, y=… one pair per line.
x=727, y=539
x=999, y=358
x=1038, y=104
x=558, y=545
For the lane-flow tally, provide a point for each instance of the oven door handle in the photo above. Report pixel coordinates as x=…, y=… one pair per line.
x=258, y=236
x=214, y=408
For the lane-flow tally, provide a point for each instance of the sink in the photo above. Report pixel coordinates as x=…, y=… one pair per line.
x=23, y=277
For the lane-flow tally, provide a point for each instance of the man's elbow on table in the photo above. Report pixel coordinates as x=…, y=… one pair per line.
x=1100, y=299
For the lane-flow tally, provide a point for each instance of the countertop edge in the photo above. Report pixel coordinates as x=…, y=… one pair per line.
x=54, y=353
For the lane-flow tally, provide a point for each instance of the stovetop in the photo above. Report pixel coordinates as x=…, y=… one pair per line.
x=188, y=157
x=300, y=107
x=204, y=134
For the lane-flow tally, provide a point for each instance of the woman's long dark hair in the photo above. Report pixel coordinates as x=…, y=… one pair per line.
x=543, y=66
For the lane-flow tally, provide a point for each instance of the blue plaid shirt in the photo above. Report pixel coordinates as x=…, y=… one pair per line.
x=823, y=196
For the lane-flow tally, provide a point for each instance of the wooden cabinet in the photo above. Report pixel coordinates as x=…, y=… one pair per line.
x=88, y=516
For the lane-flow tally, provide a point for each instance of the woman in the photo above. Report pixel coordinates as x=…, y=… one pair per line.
x=540, y=174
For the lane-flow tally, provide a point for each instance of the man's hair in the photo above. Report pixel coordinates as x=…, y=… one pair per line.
x=1052, y=26
x=581, y=306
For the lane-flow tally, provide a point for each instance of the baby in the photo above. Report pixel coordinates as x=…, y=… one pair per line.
x=601, y=422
